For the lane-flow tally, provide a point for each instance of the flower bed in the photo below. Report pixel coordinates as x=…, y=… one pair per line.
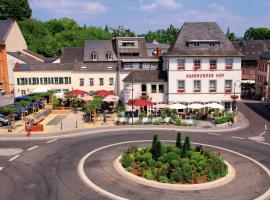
x=175, y=164
x=224, y=119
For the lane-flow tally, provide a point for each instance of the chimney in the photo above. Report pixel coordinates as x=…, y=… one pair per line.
x=158, y=52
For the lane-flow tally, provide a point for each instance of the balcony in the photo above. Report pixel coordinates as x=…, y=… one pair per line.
x=181, y=68
x=228, y=67
x=81, y=84
x=197, y=90
x=228, y=90
x=181, y=90
x=197, y=67
x=212, y=90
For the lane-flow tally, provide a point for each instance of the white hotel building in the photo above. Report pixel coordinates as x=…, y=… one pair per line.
x=203, y=66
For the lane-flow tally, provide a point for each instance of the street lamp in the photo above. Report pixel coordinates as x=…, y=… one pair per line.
x=234, y=97
x=132, y=107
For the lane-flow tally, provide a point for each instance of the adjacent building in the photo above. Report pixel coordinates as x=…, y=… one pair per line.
x=203, y=66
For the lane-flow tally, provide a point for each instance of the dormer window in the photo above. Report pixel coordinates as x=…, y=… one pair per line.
x=93, y=56
x=212, y=44
x=109, y=56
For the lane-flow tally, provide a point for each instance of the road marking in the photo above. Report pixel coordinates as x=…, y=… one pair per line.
x=240, y=138
x=51, y=141
x=265, y=126
x=214, y=134
x=1, y=168
x=13, y=158
x=32, y=148
x=262, y=133
x=265, y=143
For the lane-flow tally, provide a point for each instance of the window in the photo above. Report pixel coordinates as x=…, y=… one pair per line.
x=229, y=64
x=180, y=64
x=135, y=65
x=212, y=86
x=196, y=44
x=227, y=105
x=57, y=90
x=23, y=92
x=52, y=80
x=65, y=90
x=23, y=81
x=181, y=86
x=109, y=56
x=167, y=65
x=93, y=56
x=29, y=81
x=91, y=81
x=128, y=44
x=49, y=81
x=101, y=81
x=153, y=88
x=18, y=81
x=56, y=80
x=111, y=81
x=61, y=80
x=197, y=85
x=127, y=65
x=228, y=86
x=81, y=82
x=161, y=88
x=212, y=44
x=66, y=80
x=146, y=65
x=41, y=81
x=213, y=64
x=197, y=64
x=34, y=81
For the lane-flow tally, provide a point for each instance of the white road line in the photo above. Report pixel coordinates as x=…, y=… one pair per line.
x=265, y=126
x=51, y=141
x=1, y=168
x=217, y=134
x=265, y=143
x=240, y=138
x=13, y=158
x=262, y=133
x=32, y=148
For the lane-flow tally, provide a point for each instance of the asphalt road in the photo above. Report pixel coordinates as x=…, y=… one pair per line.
x=49, y=170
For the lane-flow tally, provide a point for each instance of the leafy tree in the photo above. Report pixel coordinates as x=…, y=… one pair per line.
x=93, y=105
x=10, y=113
x=178, y=141
x=232, y=37
x=257, y=33
x=122, y=32
x=15, y=9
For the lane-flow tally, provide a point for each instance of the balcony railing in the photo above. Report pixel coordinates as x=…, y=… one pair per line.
x=212, y=90
x=228, y=67
x=197, y=90
x=197, y=67
x=228, y=90
x=213, y=67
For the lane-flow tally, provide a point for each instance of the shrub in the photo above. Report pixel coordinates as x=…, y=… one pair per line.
x=176, y=150
x=156, y=123
x=176, y=176
x=162, y=159
x=224, y=119
x=126, y=161
x=163, y=179
x=178, y=122
x=156, y=151
x=187, y=173
x=143, y=164
x=175, y=164
x=172, y=156
x=151, y=163
x=147, y=156
x=169, y=148
x=149, y=175
x=158, y=164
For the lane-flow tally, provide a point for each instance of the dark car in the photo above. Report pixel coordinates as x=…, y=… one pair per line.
x=16, y=115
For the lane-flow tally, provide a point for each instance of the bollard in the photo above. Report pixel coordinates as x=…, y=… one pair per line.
x=61, y=125
x=76, y=124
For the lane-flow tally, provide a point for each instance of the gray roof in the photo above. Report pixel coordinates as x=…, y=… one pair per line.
x=24, y=57
x=253, y=49
x=44, y=67
x=97, y=66
x=143, y=76
x=72, y=55
x=152, y=45
x=35, y=54
x=202, y=31
x=5, y=26
x=100, y=47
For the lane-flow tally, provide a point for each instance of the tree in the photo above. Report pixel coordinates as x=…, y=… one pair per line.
x=231, y=37
x=155, y=139
x=15, y=9
x=93, y=105
x=121, y=31
x=178, y=141
x=10, y=113
x=24, y=104
x=156, y=150
x=167, y=36
x=187, y=143
x=257, y=34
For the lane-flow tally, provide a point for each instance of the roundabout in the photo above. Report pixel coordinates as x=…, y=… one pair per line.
x=123, y=185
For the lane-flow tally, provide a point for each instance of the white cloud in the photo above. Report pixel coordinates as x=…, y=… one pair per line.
x=69, y=7
x=169, y=4
x=217, y=7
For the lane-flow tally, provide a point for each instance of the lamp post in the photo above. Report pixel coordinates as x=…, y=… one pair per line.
x=132, y=107
x=234, y=97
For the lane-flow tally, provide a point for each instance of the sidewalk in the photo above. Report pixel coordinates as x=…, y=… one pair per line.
x=70, y=131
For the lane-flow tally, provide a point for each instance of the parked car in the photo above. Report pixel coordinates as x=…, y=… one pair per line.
x=3, y=120
x=16, y=115
x=19, y=108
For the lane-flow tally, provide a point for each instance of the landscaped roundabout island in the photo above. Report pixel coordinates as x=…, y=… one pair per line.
x=174, y=164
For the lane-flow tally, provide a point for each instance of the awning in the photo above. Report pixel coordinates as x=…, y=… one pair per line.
x=215, y=106
x=177, y=106
x=86, y=98
x=76, y=92
x=196, y=106
x=139, y=102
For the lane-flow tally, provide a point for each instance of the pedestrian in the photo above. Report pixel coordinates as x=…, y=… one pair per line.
x=28, y=129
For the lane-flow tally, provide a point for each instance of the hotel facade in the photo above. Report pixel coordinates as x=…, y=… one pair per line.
x=202, y=66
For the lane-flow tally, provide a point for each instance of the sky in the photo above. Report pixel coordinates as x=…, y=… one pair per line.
x=144, y=15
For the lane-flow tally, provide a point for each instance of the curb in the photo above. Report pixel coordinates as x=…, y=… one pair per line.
x=91, y=185
x=181, y=187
